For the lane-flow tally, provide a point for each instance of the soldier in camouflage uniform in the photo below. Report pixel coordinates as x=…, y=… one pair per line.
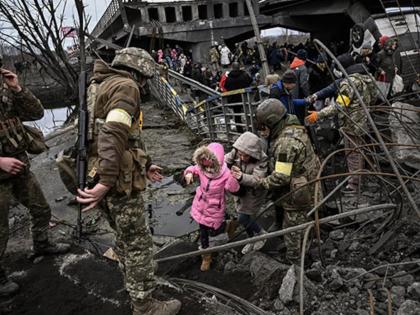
x=292, y=164
x=119, y=164
x=18, y=104
x=354, y=124
x=214, y=58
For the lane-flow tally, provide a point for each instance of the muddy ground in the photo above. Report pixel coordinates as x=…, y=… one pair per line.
x=85, y=282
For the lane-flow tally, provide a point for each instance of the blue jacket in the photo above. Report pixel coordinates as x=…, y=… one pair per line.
x=328, y=91
x=294, y=106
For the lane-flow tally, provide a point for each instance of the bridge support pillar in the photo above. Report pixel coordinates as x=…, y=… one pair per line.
x=241, y=9
x=210, y=10
x=225, y=9
x=178, y=13
x=144, y=15
x=162, y=14
x=194, y=8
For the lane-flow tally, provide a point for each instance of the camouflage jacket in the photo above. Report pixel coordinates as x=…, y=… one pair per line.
x=292, y=163
x=15, y=108
x=357, y=120
x=214, y=55
x=117, y=90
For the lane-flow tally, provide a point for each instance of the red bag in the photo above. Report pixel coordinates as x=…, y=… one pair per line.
x=222, y=81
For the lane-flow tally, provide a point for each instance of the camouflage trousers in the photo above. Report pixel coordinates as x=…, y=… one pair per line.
x=355, y=161
x=25, y=189
x=293, y=241
x=134, y=244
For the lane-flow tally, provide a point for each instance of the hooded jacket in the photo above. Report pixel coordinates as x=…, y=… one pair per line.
x=252, y=172
x=208, y=206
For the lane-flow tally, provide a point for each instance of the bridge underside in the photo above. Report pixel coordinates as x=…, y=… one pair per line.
x=324, y=19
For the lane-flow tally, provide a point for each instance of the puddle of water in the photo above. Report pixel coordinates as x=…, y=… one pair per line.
x=52, y=120
x=164, y=204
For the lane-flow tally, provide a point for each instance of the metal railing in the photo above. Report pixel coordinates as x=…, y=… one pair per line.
x=211, y=115
x=108, y=16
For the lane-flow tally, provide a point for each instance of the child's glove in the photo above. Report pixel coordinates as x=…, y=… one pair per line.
x=189, y=178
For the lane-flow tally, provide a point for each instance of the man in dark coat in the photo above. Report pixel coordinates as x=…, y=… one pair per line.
x=237, y=79
x=319, y=77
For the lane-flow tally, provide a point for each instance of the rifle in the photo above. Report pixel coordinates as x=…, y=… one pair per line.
x=82, y=141
x=82, y=145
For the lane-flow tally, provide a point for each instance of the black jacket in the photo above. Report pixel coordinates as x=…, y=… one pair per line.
x=237, y=79
x=318, y=79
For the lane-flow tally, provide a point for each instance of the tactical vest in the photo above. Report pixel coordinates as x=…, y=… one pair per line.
x=132, y=174
x=13, y=139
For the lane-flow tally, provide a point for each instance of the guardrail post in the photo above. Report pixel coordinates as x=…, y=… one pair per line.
x=251, y=113
x=209, y=120
x=227, y=120
x=244, y=105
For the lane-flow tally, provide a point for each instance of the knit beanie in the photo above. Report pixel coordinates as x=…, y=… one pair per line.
x=289, y=77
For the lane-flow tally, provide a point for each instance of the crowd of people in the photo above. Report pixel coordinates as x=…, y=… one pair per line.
x=382, y=59
x=174, y=58
x=268, y=165
x=281, y=157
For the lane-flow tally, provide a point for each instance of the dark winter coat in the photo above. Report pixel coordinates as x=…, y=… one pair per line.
x=318, y=79
x=237, y=79
x=387, y=61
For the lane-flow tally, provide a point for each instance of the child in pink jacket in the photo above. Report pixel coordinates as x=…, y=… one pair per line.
x=208, y=208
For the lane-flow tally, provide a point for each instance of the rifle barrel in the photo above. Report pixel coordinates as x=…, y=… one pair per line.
x=82, y=145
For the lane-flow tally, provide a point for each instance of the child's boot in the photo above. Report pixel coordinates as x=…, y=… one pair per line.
x=205, y=264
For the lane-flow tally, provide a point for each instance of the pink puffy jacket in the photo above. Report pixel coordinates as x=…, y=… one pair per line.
x=208, y=207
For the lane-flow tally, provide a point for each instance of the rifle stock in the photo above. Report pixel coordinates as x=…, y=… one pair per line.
x=82, y=141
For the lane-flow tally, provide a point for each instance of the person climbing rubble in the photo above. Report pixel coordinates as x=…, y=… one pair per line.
x=208, y=208
x=248, y=163
x=292, y=164
x=353, y=120
x=18, y=104
x=119, y=166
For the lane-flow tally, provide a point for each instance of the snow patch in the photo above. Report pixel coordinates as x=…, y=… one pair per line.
x=72, y=259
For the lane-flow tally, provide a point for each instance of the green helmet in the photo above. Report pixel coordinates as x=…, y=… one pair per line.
x=270, y=112
x=137, y=59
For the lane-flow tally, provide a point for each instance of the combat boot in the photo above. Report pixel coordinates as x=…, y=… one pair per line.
x=205, y=264
x=231, y=226
x=7, y=287
x=47, y=248
x=156, y=307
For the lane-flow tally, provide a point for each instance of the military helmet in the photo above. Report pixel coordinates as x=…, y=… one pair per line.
x=270, y=112
x=137, y=59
